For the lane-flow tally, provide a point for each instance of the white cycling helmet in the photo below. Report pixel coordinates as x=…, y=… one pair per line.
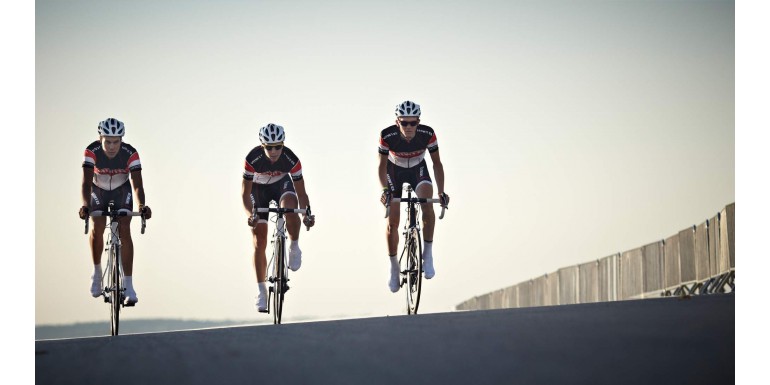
x=408, y=108
x=271, y=133
x=111, y=127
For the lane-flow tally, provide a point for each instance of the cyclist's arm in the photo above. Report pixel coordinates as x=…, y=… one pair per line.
x=438, y=171
x=246, y=196
x=88, y=177
x=382, y=170
x=299, y=187
x=136, y=179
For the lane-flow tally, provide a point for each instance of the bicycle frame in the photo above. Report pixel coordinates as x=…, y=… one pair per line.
x=278, y=264
x=113, y=292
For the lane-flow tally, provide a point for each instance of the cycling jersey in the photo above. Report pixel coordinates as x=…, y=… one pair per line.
x=407, y=154
x=110, y=174
x=260, y=170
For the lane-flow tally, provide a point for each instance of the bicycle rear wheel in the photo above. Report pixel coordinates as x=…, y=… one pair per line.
x=412, y=268
x=115, y=292
x=279, y=280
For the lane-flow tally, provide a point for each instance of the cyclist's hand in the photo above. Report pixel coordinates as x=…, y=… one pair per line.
x=146, y=211
x=385, y=198
x=444, y=199
x=83, y=213
x=252, y=221
x=309, y=221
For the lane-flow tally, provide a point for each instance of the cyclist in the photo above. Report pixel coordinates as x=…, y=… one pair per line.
x=107, y=166
x=402, y=160
x=273, y=172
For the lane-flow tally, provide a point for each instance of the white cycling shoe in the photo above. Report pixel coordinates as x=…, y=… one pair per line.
x=96, y=285
x=131, y=296
x=295, y=257
x=262, y=302
x=427, y=267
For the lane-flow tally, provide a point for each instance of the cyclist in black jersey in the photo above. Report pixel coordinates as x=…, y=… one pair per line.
x=273, y=172
x=108, y=163
x=402, y=160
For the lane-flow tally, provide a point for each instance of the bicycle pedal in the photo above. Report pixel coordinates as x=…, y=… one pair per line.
x=262, y=311
x=106, y=299
x=129, y=304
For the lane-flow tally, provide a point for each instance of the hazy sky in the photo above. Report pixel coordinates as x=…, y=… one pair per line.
x=568, y=130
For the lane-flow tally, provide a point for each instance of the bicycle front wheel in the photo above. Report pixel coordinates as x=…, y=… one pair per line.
x=412, y=268
x=279, y=280
x=115, y=294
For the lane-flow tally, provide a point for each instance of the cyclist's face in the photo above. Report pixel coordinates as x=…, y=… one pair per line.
x=273, y=151
x=111, y=145
x=408, y=126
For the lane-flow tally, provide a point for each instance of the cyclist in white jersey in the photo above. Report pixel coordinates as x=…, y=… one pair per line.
x=402, y=160
x=273, y=172
x=107, y=165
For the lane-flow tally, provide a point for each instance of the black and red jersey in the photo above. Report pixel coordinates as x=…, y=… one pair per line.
x=259, y=169
x=405, y=153
x=110, y=174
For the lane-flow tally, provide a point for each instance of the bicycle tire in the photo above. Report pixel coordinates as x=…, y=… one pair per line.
x=413, y=270
x=115, y=291
x=278, y=280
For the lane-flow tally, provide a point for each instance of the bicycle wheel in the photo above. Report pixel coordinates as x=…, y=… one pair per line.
x=115, y=293
x=279, y=280
x=413, y=271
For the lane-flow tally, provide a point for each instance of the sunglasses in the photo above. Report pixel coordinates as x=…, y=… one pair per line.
x=272, y=147
x=407, y=124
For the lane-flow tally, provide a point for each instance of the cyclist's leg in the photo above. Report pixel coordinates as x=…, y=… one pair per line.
x=259, y=235
x=96, y=239
x=424, y=189
x=289, y=200
x=126, y=246
x=259, y=198
x=395, y=183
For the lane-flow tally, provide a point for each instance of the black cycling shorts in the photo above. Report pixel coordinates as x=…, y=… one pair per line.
x=415, y=176
x=262, y=194
x=122, y=196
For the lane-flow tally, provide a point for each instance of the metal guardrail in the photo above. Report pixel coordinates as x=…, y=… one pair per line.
x=697, y=260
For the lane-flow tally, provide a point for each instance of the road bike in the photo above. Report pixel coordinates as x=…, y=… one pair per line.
x=278, y=265
x=410, y=261
x=114, y=291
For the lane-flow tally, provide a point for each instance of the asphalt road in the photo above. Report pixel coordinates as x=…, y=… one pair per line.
x=652, y=341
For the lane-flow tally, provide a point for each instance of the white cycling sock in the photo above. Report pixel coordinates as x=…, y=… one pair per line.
x=262, y=287
x=393, y=262
x=294, y=244
x=98, y=269
x=427, y=250
x=128, y=282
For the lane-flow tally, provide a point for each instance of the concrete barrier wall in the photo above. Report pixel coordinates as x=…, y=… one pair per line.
x=568, y=285
x=671, y=266
x=652, y=255
x=687, y=264
x=727, y=236
x=702, y=263
x=631, y=274
x=704, y=252
x=608, y=278
x=553, y=289
x=588, y=282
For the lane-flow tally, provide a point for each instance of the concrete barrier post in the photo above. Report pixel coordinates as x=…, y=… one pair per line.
x=631, y=274
x=727, y=239
x=568, y=285
x=702, y=260
x=588, y=282
x=652, y=255
x=671, y=264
